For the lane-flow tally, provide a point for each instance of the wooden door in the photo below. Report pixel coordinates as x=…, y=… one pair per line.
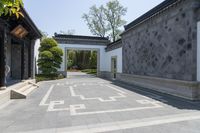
x=16, y=61
x=114, y=67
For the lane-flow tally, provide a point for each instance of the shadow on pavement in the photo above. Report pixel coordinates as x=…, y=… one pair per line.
x=174, y=101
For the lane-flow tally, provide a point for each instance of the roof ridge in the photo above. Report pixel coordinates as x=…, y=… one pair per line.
x=151, y=12
x=79, y=37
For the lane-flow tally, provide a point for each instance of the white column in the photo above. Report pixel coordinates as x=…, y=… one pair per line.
x=65, y=61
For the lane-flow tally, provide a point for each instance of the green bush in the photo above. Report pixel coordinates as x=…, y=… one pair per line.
x=47, y=44
x=43, y=77
x=50, y=56
x=81, y=59
x=90, y=71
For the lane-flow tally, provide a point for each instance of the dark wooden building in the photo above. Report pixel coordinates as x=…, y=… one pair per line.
x=17, y=40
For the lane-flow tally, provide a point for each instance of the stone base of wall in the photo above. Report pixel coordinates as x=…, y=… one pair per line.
x=63, y=73
x=184, y=89
x=105, y=74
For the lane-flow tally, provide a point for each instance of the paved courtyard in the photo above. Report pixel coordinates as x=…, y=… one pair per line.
x=86, y=104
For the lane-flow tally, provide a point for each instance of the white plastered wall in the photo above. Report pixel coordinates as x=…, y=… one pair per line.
x=108, y=56
x=36, y=54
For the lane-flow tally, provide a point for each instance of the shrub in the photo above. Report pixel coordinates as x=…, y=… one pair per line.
x=50, y=56
x=43, y=77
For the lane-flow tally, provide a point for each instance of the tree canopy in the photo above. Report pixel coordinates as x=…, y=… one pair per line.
x=106, y=20
x=96, y=21
x=114, y=12
x=81, y=59
x=11, y=7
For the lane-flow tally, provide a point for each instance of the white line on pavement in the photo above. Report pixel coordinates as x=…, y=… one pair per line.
x=44, y=99
x=118, y=110
x=124, y=125
x=111, y=98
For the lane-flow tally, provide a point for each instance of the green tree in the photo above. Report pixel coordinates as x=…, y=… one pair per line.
x=93, y=60
x=95, y=20
x=82, y=59
x=11, y=7
x=106, y=20
x=70, y=58
x=50, y=56
x=114, y=12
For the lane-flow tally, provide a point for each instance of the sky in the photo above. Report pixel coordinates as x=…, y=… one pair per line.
x=62, y=15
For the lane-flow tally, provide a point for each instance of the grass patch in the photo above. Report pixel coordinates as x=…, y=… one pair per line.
x=90, y=71
x=73, y=70
x=42, y=77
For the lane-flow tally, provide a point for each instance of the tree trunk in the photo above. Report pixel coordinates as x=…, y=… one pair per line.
x=113, y=32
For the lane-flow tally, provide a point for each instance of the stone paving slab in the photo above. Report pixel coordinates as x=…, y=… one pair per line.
x=91, y=104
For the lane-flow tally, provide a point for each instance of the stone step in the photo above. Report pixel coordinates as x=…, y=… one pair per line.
x=17, y=91
x=33, y=83
x=5, y=95
x=22, y=92
x=24, y=88
x=28, y=91
x=15, y=94
x=18, y=86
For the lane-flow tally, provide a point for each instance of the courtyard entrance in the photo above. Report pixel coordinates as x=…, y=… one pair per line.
x=82, y=60
x=79, y=43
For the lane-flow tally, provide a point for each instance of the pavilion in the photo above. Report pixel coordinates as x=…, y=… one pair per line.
x=17, y=40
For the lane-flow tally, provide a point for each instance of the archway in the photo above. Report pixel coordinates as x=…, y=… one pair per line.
x=82, y=49
x=85, y=43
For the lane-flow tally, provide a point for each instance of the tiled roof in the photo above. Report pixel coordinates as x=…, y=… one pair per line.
x=63, y=36
x=114, y=45
x=153, y=11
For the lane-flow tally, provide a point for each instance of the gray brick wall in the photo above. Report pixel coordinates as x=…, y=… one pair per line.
x=165, y=45
x=26, y=61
